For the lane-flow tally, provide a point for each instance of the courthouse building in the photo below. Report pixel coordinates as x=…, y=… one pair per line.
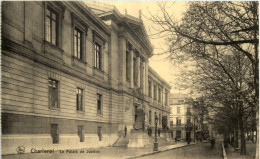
x=74, y=76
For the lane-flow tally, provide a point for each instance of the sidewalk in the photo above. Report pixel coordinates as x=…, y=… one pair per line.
x=160, y=149
x=100, y=153
x=232, y=154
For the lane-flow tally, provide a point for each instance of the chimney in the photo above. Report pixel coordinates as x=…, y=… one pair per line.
x=125, y=12
x=140, y=14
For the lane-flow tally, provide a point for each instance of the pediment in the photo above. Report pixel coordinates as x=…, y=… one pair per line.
x=139, y=30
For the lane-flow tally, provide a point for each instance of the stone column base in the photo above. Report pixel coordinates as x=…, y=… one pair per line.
x=138, y=138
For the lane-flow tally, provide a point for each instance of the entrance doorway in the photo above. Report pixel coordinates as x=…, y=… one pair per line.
x=187, y=135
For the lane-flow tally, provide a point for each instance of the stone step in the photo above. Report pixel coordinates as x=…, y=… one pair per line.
x=121, y=142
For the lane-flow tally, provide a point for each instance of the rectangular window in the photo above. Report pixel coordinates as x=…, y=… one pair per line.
x=150, y=116
x=171, y=123
x=141, y=70
x=127, y=66
x=160, y=120
x=150, y=88
x=51, y=26
x=178, y=110
x=188, y=111
x=99, y=103
x=166, y=97
x=155, y=92
x=154, y=117
x=178, y=121
x=78, y=43
x=53, y=93
x=80, y=133
x=188, y=120
x=97, y=56
x=54, y=133
x=159, y=94
x=79, y=100
x=135, y=71
x=178, y=133
x=99, y=132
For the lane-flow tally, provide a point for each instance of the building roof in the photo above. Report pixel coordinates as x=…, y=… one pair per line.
x=159, y=77
x=94, y=17
x=134, y=24
x=178, y=96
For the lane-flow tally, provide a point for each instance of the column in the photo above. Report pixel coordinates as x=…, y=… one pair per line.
x=28, y=22
x=163, y=89
x=146, y=76
x=138, y=71
x=152, y=95
x=131, y=55
x=122, y=63
x=156, y=92
x=143, y=79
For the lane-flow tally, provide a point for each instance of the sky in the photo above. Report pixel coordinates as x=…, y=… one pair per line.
x=163, y=67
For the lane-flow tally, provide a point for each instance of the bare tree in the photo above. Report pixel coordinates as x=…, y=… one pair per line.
x=208, y=33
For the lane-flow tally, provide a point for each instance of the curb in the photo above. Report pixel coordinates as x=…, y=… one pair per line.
x=155, y=152
x=224, y=151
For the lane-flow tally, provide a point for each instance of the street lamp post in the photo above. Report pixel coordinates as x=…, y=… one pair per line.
x=155, y=147
x=194, y=129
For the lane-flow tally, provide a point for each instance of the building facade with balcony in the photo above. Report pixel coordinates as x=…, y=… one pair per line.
x=72, y=77
x=182, y=116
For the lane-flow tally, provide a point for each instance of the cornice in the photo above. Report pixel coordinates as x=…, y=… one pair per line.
x=156, y=75
x=90, y=15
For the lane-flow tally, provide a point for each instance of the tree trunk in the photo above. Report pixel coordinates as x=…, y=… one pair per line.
x=257, y=138
x=236, y=136
x=242, y=138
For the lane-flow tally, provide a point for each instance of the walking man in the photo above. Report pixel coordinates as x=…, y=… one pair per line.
x=125, y=131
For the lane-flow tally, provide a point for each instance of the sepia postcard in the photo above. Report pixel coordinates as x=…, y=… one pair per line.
x=129, y=79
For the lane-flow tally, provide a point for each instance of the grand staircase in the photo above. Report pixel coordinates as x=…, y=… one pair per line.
x=121, y=142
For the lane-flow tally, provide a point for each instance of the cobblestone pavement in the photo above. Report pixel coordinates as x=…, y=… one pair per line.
x=198, y=151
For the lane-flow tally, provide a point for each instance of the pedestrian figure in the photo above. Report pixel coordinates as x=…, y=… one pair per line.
x=151, y=131
x=125, y=131
x=212, y=142
x=159, y=132
x=188, y=140
x=148, y=130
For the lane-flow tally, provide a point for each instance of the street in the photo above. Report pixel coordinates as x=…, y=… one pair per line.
x=198, y=151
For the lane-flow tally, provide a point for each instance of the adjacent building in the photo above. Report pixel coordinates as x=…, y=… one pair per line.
x=74, y=75
x=182, y=116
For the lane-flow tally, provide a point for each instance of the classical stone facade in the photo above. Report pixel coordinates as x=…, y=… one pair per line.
x=72, y=79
